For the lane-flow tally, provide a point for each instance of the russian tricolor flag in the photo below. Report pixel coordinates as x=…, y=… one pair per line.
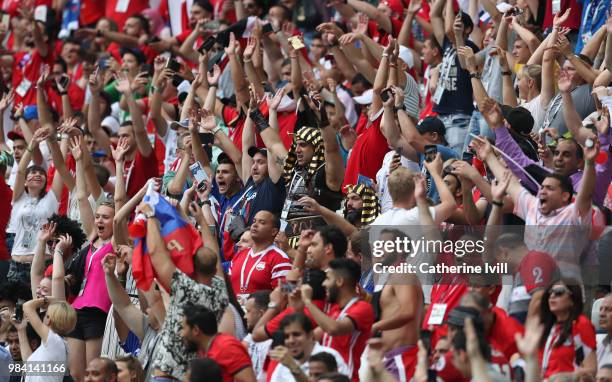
x=181, y=238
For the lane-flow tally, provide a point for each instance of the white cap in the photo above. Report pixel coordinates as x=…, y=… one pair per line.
x=406, y=55
x=183, y=87
x=365, y=98
x=111, y=123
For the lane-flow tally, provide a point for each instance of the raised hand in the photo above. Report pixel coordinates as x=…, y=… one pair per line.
x=75, y=148
x=109, y=263
x=65, y=242
x=40, y=135
x=47, y=232
x=561, y=19
x=362, y=24
x=119, y=152
x=208, y=121
x=563, y=45
x=435, y=166
x=465, y=170
x=468, y=56
x=565, y=82
x=310, y=205
x=503, y=59
x=590, y=153
x=529, y=343
x=491, y=112
x=483, y=148
x=58, y=83
x=415, y=6
x=139, y=82
x=69, y=126
x=602, y=123
x=213, y=79
x=95, y=82
x=250, y=49
x=6, y=100
x=420, y=186
x=390, y=46
x=458, y=26
x=122, y=83
x=159, y=64
x=274, y=101
x=196, y=212
x=499, y=186
x=44, y=75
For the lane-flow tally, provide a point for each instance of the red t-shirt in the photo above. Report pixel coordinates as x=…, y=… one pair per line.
x=379, y=35
x=573, y=21
x=559, y=359
x=91, y=12
x=142, y=170
x=446, y=371
x=229, y=353
x=367, y=154
x=537, y=270
x=134, y=7
x=501, y=338
x=350, y=346
x=251, y=272
x=27, y=66
x=274, y=324
x=231, y=116
x=6, y=195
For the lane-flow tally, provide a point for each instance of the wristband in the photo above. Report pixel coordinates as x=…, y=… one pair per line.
x=588, y=162
x=206, y=203
x=475, y=75
x=258, y=119
x=496, y=203
x=508, y=73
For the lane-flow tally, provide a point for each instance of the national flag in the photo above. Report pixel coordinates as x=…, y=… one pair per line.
x=180, y=237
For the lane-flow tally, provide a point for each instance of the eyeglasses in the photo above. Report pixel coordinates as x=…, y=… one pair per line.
x=559, y=291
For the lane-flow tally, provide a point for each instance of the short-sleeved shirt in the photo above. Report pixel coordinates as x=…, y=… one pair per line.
x=26, y=70
x=283, y=374
x=561, y=233
x=251, y=272
x=171, y=356
x=54, y=349
x=401, y=216
x=263, y=196
x=501, y=336
x=570, y=354
x=536, y=271
x=28, y=216
x=228, y=353
x=140, y=171
x=352, y=345
x=457, y=97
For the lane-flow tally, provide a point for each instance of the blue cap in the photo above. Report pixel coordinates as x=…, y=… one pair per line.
x=30, y=112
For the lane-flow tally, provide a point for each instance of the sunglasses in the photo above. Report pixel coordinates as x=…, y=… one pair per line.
x=559, y=291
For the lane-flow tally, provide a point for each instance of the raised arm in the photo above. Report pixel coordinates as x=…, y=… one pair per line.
x=447, y=201
x=271, y=138
x=160, y=257
x=58, y=287
x=508, y=93
x=326, y=323
x=238, y=77
x=548, y=78
x=584, y=70
x=437, y=22
x=140, y=133
x=526, y=35
x=373, y=13
x=37, y=270
x=96, y=86
x=85, y=210
x=330, y=217
x=584, y=199
x=19, y=186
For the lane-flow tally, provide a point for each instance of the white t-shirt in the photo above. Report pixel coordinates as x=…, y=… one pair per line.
x=282, y=374
x=258, y=352
x=28, y=216
x=381, y=179
x=400, y=216
x=54, y=350
x=46, y=155
x=74, y=212
x=537, y=112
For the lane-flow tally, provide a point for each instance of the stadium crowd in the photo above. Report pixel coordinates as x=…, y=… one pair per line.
x=190, y=190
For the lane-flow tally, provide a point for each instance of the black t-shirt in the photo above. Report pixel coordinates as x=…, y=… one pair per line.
x=266, y=195
x=457, y=97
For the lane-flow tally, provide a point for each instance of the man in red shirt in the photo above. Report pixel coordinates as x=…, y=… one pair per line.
x=262, y=266
x=199, y=332
x=349, y=323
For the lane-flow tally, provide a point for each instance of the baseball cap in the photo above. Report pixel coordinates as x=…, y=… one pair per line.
x=431, y=125
x=365, y=98
x=254, y=150
x=174, y=125
x=30, y=112
x=406, y=55
x=111, y=123
x=519, y=118
x=14, y=135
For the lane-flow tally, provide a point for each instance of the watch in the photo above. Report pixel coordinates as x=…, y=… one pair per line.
x=272, y=305
x=475, y=75
x=149, y=214
x=508, y=73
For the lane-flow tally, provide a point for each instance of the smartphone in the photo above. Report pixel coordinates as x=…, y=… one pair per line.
x=430, y=152
x=148, y=68
x=103, y=63
x=199, y=175
x=6, y=21
x=19, y=310
x=267, y=28
x=207, y=44
x=211, y=25
x=425, y=337
x=40, y=13
x=385, y=95
x=173, y=65
x=467, y=157
x=64, y=80
x=208, y=140
x=296, y=43
x=214, y=60
x=287, y=287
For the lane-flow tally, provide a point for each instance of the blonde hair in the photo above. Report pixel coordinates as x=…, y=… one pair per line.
x=62, y=317
x=401, y=184
x=533, y=72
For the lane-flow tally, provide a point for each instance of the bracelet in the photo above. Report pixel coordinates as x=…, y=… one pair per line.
x=508, y=73
x=496, y=203
x=258, y=119
x=385, y=54
x=216, y=130
x=588, y=162
x=206, y=203
x=475, y=75
x=58, y=252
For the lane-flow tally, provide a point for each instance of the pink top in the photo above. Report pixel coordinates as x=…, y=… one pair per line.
x=95, y=293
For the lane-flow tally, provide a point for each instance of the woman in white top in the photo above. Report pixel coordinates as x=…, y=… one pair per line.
x=60, y=318
x=32, y=206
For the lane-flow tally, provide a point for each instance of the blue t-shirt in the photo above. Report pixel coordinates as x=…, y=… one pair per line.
x=457, y=97
x=446, y=154
x=266, y=195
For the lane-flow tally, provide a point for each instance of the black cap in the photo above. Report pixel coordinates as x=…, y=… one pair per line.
x=458, y=315
x=431, y=125
x=519, y=119
x=254, y=150
x=224, y=158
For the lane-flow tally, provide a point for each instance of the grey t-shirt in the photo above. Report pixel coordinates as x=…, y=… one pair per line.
x=491, y=74
x=583, y=101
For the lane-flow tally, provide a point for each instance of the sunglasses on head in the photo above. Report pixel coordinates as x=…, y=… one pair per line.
x=559, y=291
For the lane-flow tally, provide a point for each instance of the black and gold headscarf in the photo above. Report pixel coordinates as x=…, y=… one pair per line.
x=313, y=136
x=371, y=206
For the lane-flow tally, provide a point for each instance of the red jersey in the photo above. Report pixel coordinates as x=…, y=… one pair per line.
x=26, y=70
x=139, y=171
x=91, y=12
x=569, y=355
x=367, y=154
x=351, y=346
x=6, y=195
x=501, y=335
x=274, y=324
x=537, y=270
x=134, y=7
x=229, y=353
x=251, y=272
x=573, y=21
